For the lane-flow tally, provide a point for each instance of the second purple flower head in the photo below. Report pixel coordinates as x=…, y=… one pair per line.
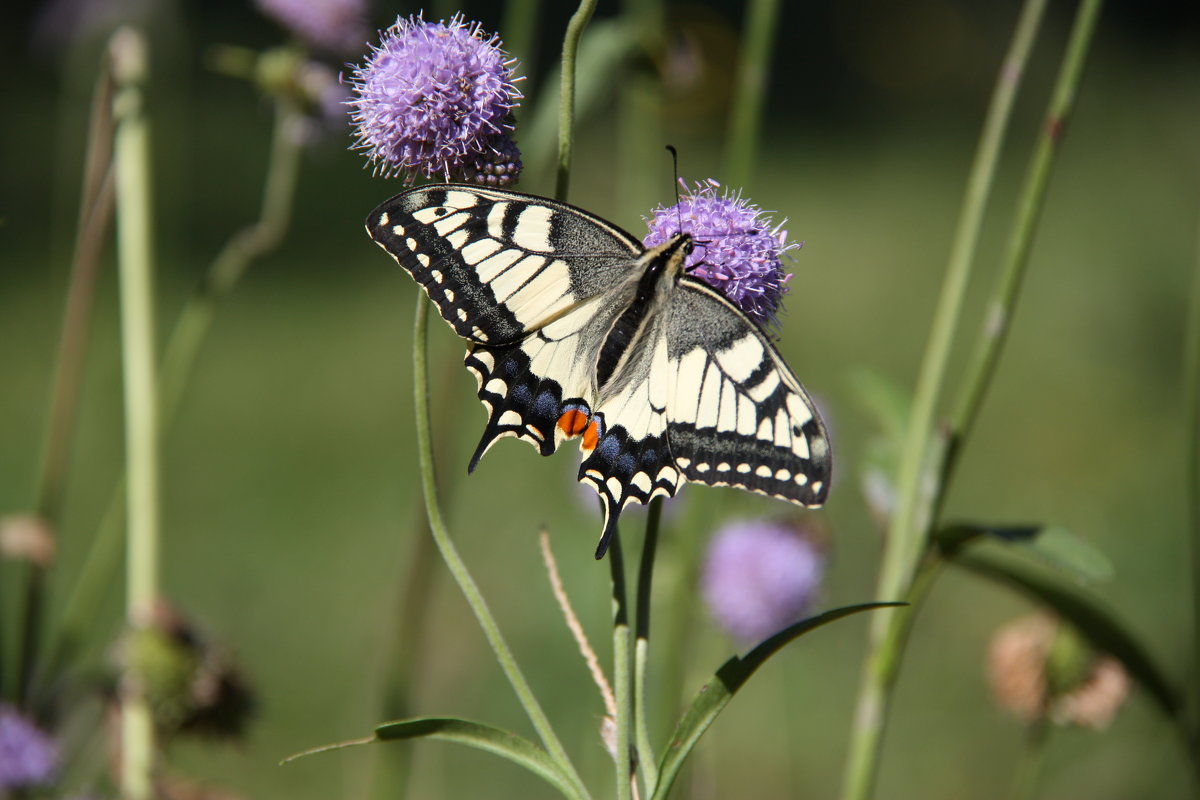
x=434, y=99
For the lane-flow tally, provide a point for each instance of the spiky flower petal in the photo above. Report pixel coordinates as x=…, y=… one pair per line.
x=738, y=248
x=337, y=26
x=760, y=577
x=435, y=99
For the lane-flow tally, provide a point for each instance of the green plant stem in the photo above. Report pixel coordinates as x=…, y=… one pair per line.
x=566, y=101
x=1002, y=306
x=906, y=539
x=135, y=258
x=745, y=119
x=1191, y=413
x=95, y=215
x=1025, y=778
x=647, y=762
x=454, y=562
x=622, y=682
x=103, y=558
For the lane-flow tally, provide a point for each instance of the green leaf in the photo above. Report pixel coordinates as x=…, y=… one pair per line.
x=715, y=694
x=503, y=743
x=1053, y=545
x=1087, y=612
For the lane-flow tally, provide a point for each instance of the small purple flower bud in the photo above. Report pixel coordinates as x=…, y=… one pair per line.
x=738, y=247
x=337, y=26
x=436, y=99
x=28, y=757
x=760, y=577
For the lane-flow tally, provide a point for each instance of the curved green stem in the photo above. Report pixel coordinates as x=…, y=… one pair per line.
x=909, y=522
x=454, y=562
x=566, y=104
x=1001, y=307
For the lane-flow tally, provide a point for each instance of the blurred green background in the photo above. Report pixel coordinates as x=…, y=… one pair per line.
x=290, y=491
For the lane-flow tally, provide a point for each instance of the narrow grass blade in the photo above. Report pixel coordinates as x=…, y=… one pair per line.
x=494, y=740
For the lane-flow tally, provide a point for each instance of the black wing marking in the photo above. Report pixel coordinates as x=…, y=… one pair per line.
x=737, y=416
x=529, y=386
x=500, y=264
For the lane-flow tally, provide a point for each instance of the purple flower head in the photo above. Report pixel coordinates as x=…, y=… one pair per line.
x=435, y=99
x=760, y=577
x=738, y=248
x=28, y=757
x=337, y=26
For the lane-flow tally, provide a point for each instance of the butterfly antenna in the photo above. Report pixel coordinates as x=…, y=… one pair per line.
x=675, y=169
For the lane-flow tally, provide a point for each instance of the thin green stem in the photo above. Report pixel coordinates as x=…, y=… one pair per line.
x=1025, y=777
x=566, y=102
x=1001, y=307
x=762, y=20
x=622, y=683
x=906, y=539
x=454, y=562
x=183, y=345
x=647, y=762
x=95, y=215
x=1191, y=412
x=136, y=261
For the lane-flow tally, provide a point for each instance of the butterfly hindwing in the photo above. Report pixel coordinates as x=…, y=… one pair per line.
x=529, y=387
x=499, y=264
x=632, y=461
x=737, y=415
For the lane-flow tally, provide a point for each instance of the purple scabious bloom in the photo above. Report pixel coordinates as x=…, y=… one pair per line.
x=28, y=757
x=760, y=577
x=337, y=26
x=738, y=248
x=436, y=99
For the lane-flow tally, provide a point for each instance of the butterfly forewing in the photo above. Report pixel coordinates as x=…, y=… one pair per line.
x=565, y=342
x=499, y=264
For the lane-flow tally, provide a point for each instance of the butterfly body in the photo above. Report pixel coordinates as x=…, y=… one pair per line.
x=575, y=330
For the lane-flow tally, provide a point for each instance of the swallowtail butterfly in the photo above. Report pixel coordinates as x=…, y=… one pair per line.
x=574, y=329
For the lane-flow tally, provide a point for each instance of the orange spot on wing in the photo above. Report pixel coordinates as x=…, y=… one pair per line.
x=591, y=436
x=573, y=422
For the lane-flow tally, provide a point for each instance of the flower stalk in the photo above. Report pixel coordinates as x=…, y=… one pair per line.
x=908, y=570
x=95, y=216
x=136, y=260
x=905, y=537
x=458, y=568
x=566, y=103
x=182, y=348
